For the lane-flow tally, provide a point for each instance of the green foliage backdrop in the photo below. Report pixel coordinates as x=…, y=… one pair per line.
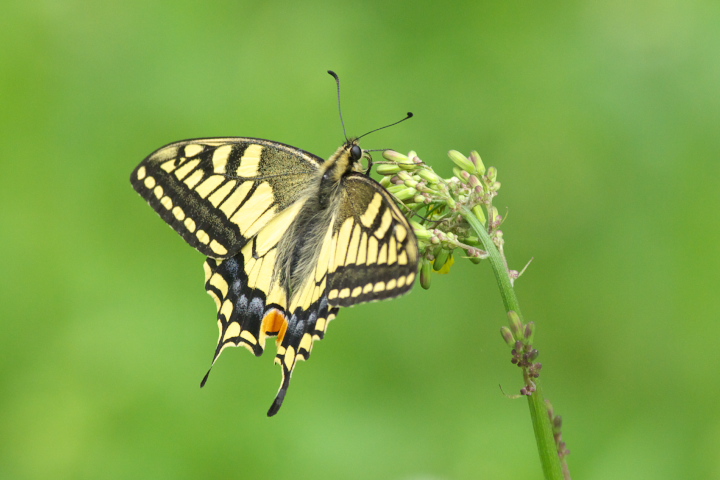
x=603, y=119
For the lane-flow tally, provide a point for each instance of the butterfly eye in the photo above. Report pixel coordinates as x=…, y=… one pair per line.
x=356, y=153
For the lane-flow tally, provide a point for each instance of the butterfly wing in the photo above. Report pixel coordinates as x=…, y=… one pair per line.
x=217, y=193
x=375, y=251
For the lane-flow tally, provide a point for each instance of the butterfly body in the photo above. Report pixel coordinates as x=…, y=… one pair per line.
x=290, y=237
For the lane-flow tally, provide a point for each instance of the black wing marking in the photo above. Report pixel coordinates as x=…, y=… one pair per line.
x=219, y=192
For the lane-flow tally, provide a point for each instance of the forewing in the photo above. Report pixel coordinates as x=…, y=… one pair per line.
x=375, y=252
x=220, y=192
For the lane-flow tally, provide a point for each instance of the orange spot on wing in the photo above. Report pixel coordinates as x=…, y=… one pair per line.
x=275, y=323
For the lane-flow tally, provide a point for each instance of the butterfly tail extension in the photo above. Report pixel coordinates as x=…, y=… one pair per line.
x=245, y=318
x=296, y=344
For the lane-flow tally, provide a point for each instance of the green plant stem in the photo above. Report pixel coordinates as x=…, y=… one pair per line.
x=538, y=409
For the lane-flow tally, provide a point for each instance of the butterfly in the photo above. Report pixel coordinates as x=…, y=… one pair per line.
x=290, y=238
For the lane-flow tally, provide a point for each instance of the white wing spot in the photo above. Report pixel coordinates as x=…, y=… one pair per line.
x=209, y=185
x=384, y=224
x=373, y=208
x=222, y=192
x=289, y=357
x=182, y=172
x=141, y=173
x=193, y=149
x=194, y=178
x=372, y=253
x=403, y=258
x=217, y=248
x=400, y=232
x=203, y=237
x=248, y=167
x=219, y=282
x=168, y=166
x=232, y=331
x=248, y=336
x=306, y=342
x=166, y=202
x=220, y=157
x=179, y=213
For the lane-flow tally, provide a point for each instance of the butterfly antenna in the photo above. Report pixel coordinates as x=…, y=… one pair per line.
x=337, y=80
x=409, y=115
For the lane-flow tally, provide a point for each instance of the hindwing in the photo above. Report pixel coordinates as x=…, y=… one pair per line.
x=374, y=253
x=219, y=192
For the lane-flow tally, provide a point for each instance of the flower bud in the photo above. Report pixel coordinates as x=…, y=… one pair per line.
x=441, y=257
x=394, y=156
x=408, y=166
x=507, y=335
x=421, y=233
x=492, y=174
x=479, y=213
x=493, y=216
x=529, y=332
x=443, y=261
x=401, y=192
x=425, y=274
x=429, y=175
x=477, y=161
x=516, y=325
x=462, y=161
x=458, y=172
x=387, y=169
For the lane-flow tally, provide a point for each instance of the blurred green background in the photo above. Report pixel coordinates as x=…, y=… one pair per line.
x=603, y=119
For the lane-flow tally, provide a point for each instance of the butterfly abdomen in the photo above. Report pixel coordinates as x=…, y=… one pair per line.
x=303, y=244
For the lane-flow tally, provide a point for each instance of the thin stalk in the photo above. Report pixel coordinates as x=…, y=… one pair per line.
x=544, y=437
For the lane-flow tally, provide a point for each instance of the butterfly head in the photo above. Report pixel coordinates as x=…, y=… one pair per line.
x=347, y=159
x=356, y=153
